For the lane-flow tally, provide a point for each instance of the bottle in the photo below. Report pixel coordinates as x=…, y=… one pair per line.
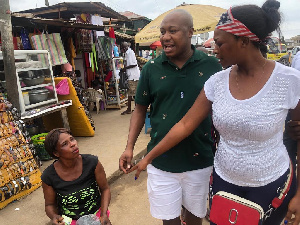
x=26, y=98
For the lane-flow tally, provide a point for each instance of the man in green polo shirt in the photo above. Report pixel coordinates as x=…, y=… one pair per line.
x=170, y=84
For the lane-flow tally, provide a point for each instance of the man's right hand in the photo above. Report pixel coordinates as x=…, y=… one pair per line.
x=125, y=161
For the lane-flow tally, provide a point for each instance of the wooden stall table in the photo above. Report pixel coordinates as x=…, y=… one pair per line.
x=61, y=106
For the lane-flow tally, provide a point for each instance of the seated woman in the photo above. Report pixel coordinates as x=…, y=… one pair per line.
x=75, y=184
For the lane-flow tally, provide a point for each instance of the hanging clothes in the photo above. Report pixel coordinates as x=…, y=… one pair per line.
x=25, y=39
x=105, y=47
x=72, y=52
x=90, y=75
x=111, y=33
x=97, y=20
x=86, y=41
x=94, y=55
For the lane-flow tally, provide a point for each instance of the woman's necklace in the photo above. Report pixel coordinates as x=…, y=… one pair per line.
x=263, y=72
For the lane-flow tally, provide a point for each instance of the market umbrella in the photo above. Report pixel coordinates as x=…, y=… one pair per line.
x=155, y=44
x=207, y=44
x=205, y=19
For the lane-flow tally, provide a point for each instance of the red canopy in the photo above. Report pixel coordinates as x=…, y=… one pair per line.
x=207, y=44
x=155, y=44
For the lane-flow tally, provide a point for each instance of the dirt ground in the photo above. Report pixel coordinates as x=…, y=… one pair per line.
x=129, y=202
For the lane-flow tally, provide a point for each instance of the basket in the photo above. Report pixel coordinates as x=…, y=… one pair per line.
x=38, y=142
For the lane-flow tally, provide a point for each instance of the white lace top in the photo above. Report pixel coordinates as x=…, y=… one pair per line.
x=251, y=151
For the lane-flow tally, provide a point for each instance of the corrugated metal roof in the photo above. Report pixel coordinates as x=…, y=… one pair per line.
x=131, y=15
x=66, y=10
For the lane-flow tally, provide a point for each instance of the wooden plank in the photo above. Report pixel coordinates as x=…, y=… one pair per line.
x=64, y=116
x=59, y=9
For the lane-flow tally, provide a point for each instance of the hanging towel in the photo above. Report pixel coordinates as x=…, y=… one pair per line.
x=52, y=43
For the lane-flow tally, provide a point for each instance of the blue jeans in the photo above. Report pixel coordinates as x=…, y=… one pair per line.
x=261, y=195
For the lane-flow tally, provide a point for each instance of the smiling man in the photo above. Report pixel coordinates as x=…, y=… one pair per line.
x=170, y=84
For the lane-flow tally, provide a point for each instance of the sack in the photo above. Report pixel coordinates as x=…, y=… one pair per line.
x=123, y=82
x=228, y=209
x=62, y=88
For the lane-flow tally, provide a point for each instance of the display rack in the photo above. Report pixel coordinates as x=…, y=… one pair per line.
x=31, y=64
x=114, y=100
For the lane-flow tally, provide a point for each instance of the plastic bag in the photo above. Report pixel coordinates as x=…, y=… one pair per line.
x=123, y=82
x=25, y=40
x=62, y=88
x=88, y=220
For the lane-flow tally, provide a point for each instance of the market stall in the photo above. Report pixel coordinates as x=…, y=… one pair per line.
x=19, y=168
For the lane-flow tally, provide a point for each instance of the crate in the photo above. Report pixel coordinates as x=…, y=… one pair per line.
x=38, y=142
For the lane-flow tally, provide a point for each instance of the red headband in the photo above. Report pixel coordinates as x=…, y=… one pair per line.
x=234, y=26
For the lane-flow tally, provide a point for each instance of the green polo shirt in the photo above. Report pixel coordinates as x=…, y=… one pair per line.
x=171, y=92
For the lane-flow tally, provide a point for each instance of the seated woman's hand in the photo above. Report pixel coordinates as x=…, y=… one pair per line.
x=58, y=220
x=104, y=220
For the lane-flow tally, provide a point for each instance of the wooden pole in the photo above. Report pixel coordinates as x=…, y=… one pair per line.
x=8, y=54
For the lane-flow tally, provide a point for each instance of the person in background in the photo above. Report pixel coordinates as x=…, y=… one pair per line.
x=75, y=184
x=290, y=142
x=296, y=61
x=249, y=103
x=133, y=74
x=78, y=77
x=170, y=84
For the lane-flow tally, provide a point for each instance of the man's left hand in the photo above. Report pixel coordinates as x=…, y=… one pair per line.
x=142, y=165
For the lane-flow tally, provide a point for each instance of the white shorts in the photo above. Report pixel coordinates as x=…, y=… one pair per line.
x=167, y=192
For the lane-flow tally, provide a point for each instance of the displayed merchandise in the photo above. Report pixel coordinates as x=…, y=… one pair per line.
x=19, y=164
x=123, y=82
x=25, y=39
x=62, y=88
x=35, y=82
x=80, y=121
x=38, y=142
x=52, y=43
x=116, y=88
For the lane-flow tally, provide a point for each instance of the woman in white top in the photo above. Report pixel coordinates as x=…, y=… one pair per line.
x=249, y=102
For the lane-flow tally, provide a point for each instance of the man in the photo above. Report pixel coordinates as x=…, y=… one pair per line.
x=133, y=73
x=292, y=131
x=170, y=84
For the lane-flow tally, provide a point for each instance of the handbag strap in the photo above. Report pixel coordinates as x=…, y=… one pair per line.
x=277, y=201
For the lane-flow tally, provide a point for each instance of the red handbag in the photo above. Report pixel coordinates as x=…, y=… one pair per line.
x=229, y=209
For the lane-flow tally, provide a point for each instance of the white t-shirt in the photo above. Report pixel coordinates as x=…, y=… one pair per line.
x=251, y=151
x=133, y=73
